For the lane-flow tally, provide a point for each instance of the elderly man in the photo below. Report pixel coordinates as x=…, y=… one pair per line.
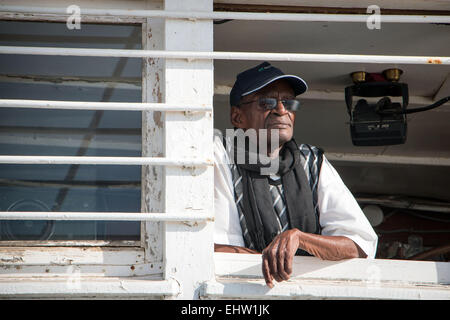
x=303, y=208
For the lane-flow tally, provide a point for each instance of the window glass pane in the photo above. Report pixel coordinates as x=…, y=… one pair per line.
x=77, y=188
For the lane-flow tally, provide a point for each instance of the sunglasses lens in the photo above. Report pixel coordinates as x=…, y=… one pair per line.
x=268, y=103
x=291, y=105
x=271, y=103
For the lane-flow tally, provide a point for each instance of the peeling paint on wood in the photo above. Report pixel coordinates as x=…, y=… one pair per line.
x=70, y=255
x=63, y=18
x=91, y=287
x=71, y=243
x=189, y=135
x=157, y=119
x=12, y=259
x=152, y=139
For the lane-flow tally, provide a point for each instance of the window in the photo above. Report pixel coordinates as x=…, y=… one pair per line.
x=70, y=188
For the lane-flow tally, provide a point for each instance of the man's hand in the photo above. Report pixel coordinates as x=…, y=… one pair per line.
x=277, y=257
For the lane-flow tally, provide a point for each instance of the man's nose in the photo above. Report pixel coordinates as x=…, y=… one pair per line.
x=280, y=109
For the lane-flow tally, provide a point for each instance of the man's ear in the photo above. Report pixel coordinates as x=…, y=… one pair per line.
x=236, y=117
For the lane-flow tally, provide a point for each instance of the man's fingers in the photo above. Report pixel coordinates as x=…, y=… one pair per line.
x=281, y=259
x=278, y=258
x=272, y=257
x=266, y=271
x=289, y=257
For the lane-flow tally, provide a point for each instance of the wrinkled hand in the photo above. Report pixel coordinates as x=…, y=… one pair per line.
x=277, y=258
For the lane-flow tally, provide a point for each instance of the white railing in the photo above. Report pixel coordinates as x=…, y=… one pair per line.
x=109, y=216
x=126, y=161
x=90, y=105
x=252, y=16
x=313, y=278
x=198, y=55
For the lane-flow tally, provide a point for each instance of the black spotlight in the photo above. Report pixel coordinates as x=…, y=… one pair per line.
x=381, y=123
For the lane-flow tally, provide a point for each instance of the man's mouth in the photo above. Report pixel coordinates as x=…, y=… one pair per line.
x=278, y=124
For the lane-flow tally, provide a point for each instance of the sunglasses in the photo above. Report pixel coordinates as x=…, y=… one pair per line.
x=272, y=103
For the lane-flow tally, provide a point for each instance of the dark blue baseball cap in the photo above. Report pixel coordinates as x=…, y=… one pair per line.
x=258, y=77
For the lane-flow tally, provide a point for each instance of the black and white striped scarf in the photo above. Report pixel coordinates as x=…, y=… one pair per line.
x=257, y=212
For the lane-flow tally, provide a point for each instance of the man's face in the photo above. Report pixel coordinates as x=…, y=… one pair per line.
x=251, y=115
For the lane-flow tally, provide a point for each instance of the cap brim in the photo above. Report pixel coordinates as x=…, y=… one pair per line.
x=298, y=84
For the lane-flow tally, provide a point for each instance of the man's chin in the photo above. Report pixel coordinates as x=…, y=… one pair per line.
x=282, y=137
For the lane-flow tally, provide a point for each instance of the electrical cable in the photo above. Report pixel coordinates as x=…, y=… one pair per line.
x=431, y=106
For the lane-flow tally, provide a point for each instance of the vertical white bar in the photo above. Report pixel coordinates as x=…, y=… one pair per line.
x=152, y=182
x=188, y=249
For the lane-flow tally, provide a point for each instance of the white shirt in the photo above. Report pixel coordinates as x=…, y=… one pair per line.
x=340, y=214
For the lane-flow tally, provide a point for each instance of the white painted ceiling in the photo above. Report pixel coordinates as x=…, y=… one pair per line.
x=427, y=129
x=337, y=38
x=385, y=4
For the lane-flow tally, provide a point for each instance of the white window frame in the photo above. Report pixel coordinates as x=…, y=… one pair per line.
x=176, y=259
x=182, y=217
